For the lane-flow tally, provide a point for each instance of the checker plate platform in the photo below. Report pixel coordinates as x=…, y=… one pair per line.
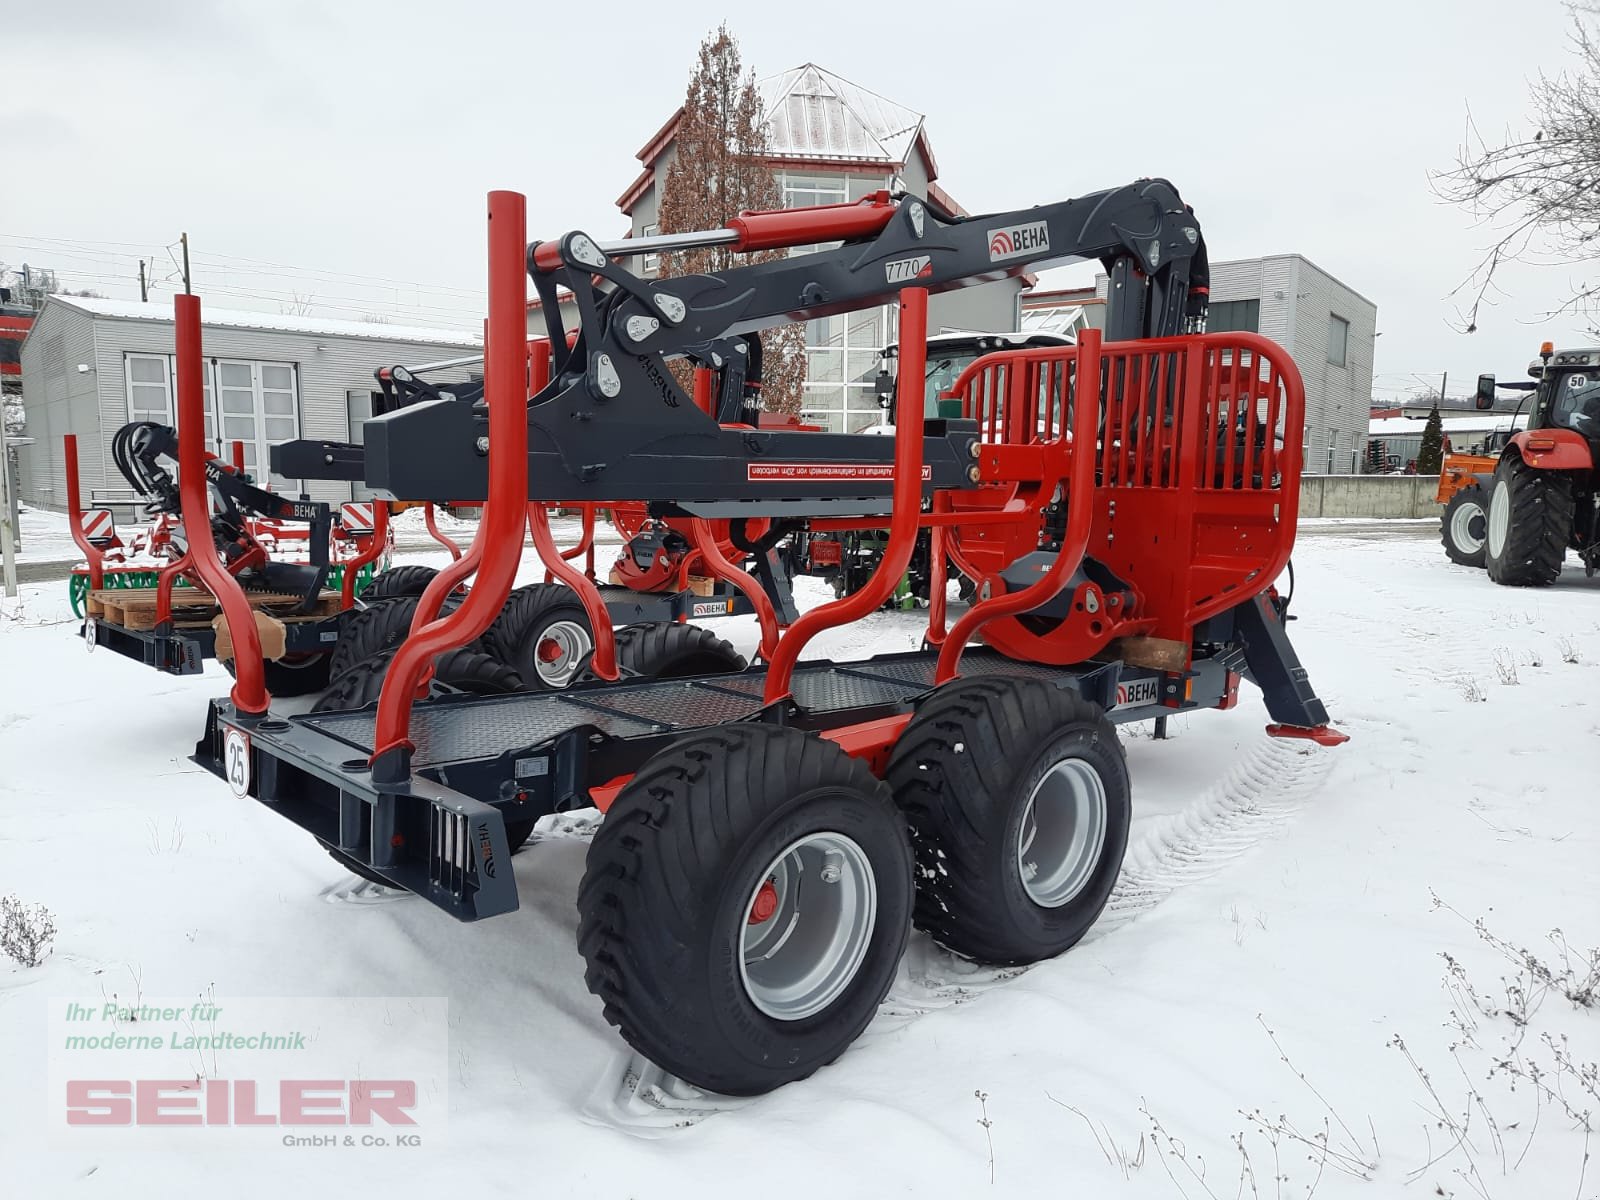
x=458, y=730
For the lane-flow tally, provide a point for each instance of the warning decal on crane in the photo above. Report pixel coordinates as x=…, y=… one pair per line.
x=814, y=472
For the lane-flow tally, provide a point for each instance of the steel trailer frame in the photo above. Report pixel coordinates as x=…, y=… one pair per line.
x=419, y=792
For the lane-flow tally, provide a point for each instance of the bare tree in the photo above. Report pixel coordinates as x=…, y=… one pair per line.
x=1538, y=192
x=718, y=171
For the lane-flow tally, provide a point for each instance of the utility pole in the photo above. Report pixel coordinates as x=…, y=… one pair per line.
x=1444, y=382
x=144, y=293
x=184, y=238
x=8, y=532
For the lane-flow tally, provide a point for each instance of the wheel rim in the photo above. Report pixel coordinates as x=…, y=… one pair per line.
x=1062, y=833
x=560, y=652
x=806, y=926
x=1499, y=517
x=1467, y=527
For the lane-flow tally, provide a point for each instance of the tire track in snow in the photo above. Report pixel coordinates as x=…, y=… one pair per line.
x=1256, y=798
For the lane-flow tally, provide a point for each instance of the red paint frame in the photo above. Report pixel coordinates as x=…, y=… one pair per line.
x=498, y=544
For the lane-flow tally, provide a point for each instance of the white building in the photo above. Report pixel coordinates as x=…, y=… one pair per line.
x=1329, y=330
x=90, y=365
x=1399, y=439
x=833, y=141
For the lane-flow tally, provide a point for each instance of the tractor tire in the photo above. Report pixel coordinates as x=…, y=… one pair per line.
x=1530, y=524
x=667, y=650
x=399, y=581
x=690, y=921
x=543, y=634
x=1017, y=798
x=1464, y=527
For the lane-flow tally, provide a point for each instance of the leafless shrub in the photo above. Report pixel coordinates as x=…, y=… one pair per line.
x=1505, y=667
x=1124, y=1160
x=27, y=931
x=1568, y=649
x=1471, y=690
x=988, y=1125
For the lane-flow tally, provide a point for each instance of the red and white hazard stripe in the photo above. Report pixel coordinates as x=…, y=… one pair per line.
x=356, y=517
x=98, y=525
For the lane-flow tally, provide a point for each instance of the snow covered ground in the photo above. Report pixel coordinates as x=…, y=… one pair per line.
x=45, y=535
x=1270, y=968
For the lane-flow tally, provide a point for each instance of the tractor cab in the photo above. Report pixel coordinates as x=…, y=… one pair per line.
x=1546, y=485
x=949, y=354
x=1568, y=395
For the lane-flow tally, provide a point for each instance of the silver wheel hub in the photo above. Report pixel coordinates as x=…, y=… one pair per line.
x=1062, y=833
x=1467, y=527
x=805, y=928
x=1499, y=517
x=560, y=652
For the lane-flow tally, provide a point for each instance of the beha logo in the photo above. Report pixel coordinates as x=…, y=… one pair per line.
x=1018, y=239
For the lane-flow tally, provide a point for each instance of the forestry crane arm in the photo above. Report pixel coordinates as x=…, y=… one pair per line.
x=614, y=424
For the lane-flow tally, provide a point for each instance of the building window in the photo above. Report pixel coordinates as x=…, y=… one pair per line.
x=1234, y=316
x=652, y=262
x=149, y=389
x=259, y=404
x=843, y=354
x=1338, y=339
x=807, y=191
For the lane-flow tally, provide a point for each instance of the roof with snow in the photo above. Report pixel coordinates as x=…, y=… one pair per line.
x=235, y=318
x=813, y=113
x=1454, y=426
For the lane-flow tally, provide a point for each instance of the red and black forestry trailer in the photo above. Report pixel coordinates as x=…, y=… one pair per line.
x=771, y=835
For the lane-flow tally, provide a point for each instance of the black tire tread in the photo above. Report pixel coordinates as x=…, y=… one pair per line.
x=657, y=852
x=410, y=580
x=462, y=669
x=509, y=636
x=1541, y=525
x=946, y=796
x=668, y=650
x=380, y=626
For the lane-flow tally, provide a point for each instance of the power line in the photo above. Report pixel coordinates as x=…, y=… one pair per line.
x=65, y=245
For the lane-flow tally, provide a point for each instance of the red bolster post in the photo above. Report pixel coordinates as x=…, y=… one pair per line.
x=499, y=537
x=906, y=504
x=92, y=554
x=1080, y=513
x=724, y=570
x=604, y=661
x=430, y=520
x=379, y=540
x=249, y=693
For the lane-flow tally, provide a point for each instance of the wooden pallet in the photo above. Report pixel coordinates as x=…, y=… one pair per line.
x=135, y=608
x=700, y=585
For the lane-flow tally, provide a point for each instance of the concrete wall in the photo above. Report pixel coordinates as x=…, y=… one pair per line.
x=1374, y=496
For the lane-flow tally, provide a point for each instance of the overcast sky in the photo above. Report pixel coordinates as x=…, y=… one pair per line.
x=338, y=143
